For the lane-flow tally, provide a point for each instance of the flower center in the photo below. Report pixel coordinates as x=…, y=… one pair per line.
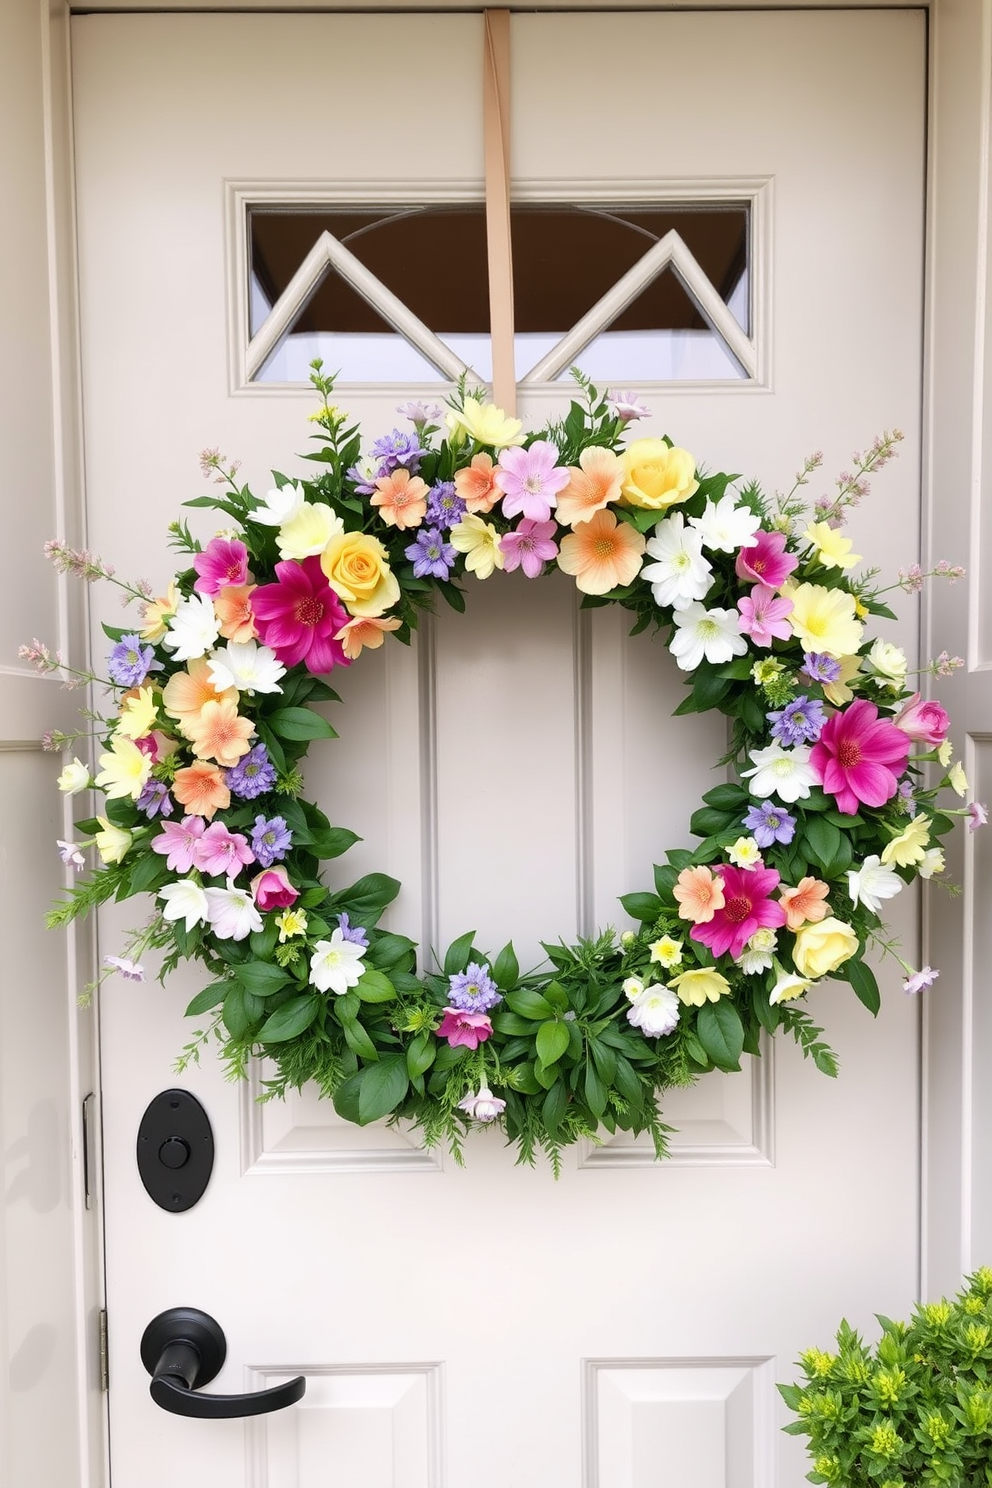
x=534, y=484
x=708, y=628
x=310, y=611
x=757, y=565
x=849, y=754
x=737, y=909
x=232, y=571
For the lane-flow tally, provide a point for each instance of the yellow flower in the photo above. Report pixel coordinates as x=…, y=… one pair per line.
x=788, y=986
x=364, y=633
x=910, y=846
x=820, y=948
x=124, y=771
x=139, y=714
x=696, y=987
x=945, y=753
x=656, y=475
x=666, y=951
x=838, y=692
x=888, y=663
x=832, y=548
x=307, y=534
x=486, y=424
x=745, y=853
x=156, y=612
x=74, y=778
x=479, y=541
x=823, y=619
x=112, y=842
x=958, y=780
x=766, y=670
x=291, y=922
x=357, y=571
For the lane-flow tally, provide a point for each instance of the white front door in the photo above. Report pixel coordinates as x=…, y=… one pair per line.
x=489, y=1327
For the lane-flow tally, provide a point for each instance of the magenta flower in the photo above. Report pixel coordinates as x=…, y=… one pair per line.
x=460, y=1027
x=223, y=561
x=859, y=757
x=746, y=908
x=530, y=480
x=529, y=547
x=766, y=562
x=180, y=840
x=763, y=615
x=273, y=890
x=923, y=722
x=219, y=851
x=299, y=616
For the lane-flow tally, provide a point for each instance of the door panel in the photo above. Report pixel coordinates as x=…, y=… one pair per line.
x=489, y=1326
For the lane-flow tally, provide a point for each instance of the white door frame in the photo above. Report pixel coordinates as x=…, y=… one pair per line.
x=956, y=1137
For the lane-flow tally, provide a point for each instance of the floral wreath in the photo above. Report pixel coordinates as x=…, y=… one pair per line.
x=827, y=815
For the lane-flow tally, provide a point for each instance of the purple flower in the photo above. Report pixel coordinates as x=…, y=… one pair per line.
x=351, y=932
x=155, y=800
x=627, y=407
x=398, y=449
x=444, y=506
x=70, y=854
x=130, y=662
x=820, y=667
x=978, y=816
x=430, y=554
x=127, y=968
x=799, y=722
x=529, y=547
x=270, y=840
x=473, y=990
x=420, y=413
x=253, y=775
x=768, y=823
x=920, y=980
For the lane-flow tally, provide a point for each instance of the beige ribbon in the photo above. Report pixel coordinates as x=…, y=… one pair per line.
x=496, y=138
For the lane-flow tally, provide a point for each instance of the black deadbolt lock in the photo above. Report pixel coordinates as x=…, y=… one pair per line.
x=175, y=1150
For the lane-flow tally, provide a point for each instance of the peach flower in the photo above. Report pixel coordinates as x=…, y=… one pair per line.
x=219, y=733
x=364, y=632
x=699, y=893
x=597, y=480
x=186, y=692
x=401, y=499
x=602, y=554
x=806, y=902
x=232, y=606
x=476, y=484
x=200, y=788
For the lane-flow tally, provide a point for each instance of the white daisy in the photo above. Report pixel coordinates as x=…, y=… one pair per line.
x=279, y=505
x=247, y=666
x=786, y=773
x=680, y=573
x=725, y=526
x=715, y=634
x=193, y=629
x=231, y=913
x=871, y=883
x=185, y=900
x=336, y=964
x=655, y=1011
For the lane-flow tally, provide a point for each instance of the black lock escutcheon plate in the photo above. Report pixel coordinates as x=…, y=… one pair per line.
x=175, y=1150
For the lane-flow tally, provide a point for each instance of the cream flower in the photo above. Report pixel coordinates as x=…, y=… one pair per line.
x=932, y=862
x=910, y=846
x=308, y=531
x=788, y=985
x=632, y=987
x=757, y=953
x=831, y=547
x=666, y=951
x=655, y=1011
x=745, y=853
x=887, y=663
x=139, y=715
x=657, y=475
x=823, y=947
x=185, y=900
x=824, y=619
x=479, y=541
x=486, y=424
x=699, y=986
x=74, y=778
x=112, y=842
x=124, y=771
x=958, y=780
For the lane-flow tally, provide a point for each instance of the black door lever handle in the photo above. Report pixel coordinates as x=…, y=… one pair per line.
x=183, y=1349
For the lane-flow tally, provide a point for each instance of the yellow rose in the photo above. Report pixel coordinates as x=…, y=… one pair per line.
x=657, y=476
x=357, y=571
x=696, y=987
x=821, y=948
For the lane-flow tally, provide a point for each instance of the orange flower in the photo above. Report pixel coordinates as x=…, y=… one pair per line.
x=476, y=486
x=806, y=902
x=219, y=733
x=700, y=894
x=364, y=632
x=186, y=692
x=598, y=480
x=201, y=789
x=602, y=554
x=401, y=499
x=232, y=606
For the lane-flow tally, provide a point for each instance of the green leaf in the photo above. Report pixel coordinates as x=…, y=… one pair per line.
x=420, y=1055
x=389, y=950
x=595, y=1092
x=148, y=872
x=359, y=1042
x=454, y=596
x=299, y=724
x=529, y=1004
x=457, y=956
x=262, y=977
x=367, y=898
x=553, y=1107
x=862, y=979
x=332, y=843
x=643, y=907
x=287, y=1021
x=375, y=987
x=727, y=797
x=824, y=839
x=263, y=942
x=707, y=822
x=557, y=996
x=513, y=1025
x=208, y=998
x=346, y=1098
x=605, y=1060
x=721, y=1033
x=383, y=1088
x=235, y=1018
x=506, y=969
x=552, y=1041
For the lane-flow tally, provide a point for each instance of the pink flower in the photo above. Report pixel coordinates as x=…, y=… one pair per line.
x=273, y=890
x=530, y=480
x=223, y=561
x=482, y=1107
x=460, y=1027
x=219, y=851
x=978, y=816
x=529, y=547
x=180, y=840
x=919, y=981
x=763, y=616
x=299, y=616
x=924, y=722
x=766, y=562
x=859, y=757
x=746, y=908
